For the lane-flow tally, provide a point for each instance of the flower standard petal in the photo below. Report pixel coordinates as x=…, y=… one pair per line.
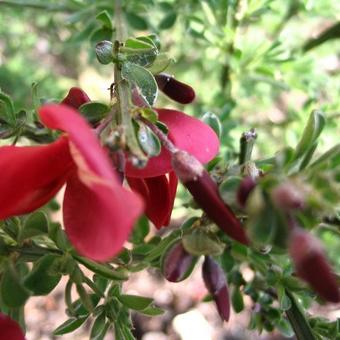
x=187, y=133
x=91, y=155
x=98, y=212
x=32, y=175
x=9, y=329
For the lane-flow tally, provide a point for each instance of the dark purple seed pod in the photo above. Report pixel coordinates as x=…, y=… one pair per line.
x=247, y=185
x=215, y=281
x=174, y=89
x=205, y=192
x=177, y=264
x=312, y=266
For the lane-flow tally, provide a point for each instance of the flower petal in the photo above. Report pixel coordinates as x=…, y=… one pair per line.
x=32, y=175
x=75, y=98
x=10, y=329
x=159, y=195
x=85, y=148
x=99, y=219
x=187, y=133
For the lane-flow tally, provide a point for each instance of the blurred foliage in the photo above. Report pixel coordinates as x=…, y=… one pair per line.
x=245, y=59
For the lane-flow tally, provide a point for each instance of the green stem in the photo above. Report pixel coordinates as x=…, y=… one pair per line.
x=298, y=320
x=247, y=142
x=122, y=89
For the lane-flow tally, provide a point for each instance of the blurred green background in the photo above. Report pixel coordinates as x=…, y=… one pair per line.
x=245, y=59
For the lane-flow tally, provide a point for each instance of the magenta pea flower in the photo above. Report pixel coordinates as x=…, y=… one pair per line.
x=98, y=213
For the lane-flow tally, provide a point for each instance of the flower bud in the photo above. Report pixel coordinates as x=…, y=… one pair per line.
x=246, y=186
x=177, y=264
x=174, y=89
x=312, y=266
x=75, y=98
x=287, y=196
x=214, y=280
x=205, y=192
x=104, y=52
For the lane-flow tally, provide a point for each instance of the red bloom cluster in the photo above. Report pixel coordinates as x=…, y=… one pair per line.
x=98, y=212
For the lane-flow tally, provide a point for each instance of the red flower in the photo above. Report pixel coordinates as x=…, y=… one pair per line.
x=9, y=329
x=157, y=182
x=98, y=212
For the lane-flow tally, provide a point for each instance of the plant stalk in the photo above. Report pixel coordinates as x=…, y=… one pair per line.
x=123, y=116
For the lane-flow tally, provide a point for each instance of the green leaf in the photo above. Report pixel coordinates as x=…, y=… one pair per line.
x=7, y=108
x=214, y=122
x=94, y=111
x=298, y=320
x=140, y=57
x=284, y=300
x=228, y=189
x=102, y=269
x=160, y=64
x=148, y=141
x=139, y=44
x=13, y=292
x=168, y=21
x=152, y=311
x=35, y=96
x=77, y=307
x=36, y=224
x=104, y=52
x=143, y=79
x=136, y=21
x=135, y=302
x=85, y=297
x=311, y=133
x=98, y=329
x=140, y=231
x=101, y=34
x=69, y=325
x=152, y=39
x=284, y=327
x=42, y=279
x=237, y=300
x=105, y=18
x=201, y=243
x=58, y=236
x=149, y=114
